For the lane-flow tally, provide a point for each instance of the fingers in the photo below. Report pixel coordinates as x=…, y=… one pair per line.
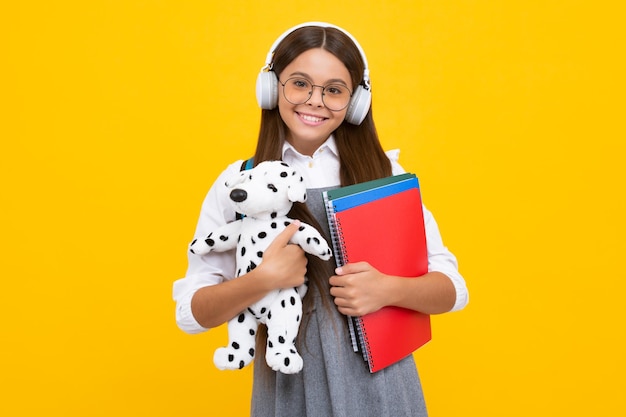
x=347, y=303
x=352, y=268
x=285, y=236
x=356, y=289
x=284, y=262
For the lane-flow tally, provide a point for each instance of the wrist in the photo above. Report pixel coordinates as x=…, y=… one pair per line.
x=392, y=290
x=260, y=277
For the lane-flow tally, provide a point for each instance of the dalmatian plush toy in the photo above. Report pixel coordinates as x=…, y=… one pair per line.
x=264, y=195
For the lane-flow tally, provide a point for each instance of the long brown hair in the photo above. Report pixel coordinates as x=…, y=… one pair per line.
x=361, y=154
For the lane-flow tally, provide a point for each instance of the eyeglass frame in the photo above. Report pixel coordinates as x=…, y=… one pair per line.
x=323, y=87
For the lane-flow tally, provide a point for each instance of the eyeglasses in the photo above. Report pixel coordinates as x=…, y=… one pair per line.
x=335, y=97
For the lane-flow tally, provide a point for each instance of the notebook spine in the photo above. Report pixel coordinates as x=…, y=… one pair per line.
x=339, y=251
x=364, y=342
x=334, y=232
x=341, y=246
x=338, y=241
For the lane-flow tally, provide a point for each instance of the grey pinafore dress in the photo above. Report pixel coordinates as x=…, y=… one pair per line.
x=335, y=381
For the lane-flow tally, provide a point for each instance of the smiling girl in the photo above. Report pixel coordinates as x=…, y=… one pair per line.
x=317, y=117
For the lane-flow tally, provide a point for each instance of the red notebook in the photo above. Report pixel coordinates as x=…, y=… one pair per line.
x=382, y=223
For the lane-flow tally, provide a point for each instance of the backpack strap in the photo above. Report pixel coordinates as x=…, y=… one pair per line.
x=246, y=165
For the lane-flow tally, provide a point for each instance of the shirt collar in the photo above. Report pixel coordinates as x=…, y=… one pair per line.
x=330, y=144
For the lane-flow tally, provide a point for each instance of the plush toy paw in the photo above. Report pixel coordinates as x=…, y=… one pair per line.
x=220, y=240
x=200, y=247
x=231, y=358
x=284, y=358
x=325, y=253
x=311, y=241
x=317, y=245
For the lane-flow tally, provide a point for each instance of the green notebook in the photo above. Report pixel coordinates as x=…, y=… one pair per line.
x=365, y=186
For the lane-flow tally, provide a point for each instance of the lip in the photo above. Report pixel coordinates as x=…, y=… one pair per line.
x=311, y=119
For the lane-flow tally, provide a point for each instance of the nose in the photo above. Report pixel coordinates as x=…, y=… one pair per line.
x=238, y=195
x=316, y=99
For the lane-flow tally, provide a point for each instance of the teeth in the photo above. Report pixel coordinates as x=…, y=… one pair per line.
x=311, y=118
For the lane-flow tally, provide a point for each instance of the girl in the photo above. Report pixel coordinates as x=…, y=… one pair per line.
x=317, y=117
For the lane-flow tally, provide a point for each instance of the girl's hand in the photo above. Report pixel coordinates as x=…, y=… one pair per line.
x=284, y=265
x=359, y=289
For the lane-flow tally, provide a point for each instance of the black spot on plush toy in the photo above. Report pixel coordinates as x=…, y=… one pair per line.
x=264, y=195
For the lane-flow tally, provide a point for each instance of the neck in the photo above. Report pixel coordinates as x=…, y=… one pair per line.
x=305, y=147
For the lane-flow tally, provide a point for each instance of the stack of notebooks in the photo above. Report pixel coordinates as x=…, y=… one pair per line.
x=382, y=222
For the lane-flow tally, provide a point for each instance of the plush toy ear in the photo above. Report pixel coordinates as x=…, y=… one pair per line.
x=296, y=191
x=237, y=179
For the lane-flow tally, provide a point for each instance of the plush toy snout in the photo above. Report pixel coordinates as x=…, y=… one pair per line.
x=238, y=195
x=297, y=191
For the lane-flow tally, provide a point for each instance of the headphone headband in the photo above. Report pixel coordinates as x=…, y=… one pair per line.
x=270, y=55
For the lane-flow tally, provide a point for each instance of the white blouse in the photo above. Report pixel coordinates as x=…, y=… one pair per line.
x=319, y=170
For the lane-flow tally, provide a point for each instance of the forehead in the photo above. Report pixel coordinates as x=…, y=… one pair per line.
x=319, y=65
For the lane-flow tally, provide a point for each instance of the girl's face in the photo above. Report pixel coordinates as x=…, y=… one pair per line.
x=311, y=123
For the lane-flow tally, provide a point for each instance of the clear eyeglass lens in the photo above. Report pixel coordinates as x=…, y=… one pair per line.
x=299, y=90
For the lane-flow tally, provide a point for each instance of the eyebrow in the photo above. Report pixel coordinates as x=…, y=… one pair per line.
x=331, y=81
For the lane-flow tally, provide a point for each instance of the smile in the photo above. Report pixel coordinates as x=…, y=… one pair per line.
x=310, y=118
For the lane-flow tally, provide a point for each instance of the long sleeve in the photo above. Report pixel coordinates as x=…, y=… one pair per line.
x=440, y=259
x=212, y=268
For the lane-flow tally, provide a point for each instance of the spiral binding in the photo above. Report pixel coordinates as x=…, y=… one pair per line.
x=355, y=324
x=336, y=236
x=365, y=350
x=339, y=250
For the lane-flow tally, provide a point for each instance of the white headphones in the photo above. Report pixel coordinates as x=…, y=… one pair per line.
x=267, y=81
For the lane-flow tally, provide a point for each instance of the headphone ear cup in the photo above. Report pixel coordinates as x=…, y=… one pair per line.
x=359, y=105
x=267, y=90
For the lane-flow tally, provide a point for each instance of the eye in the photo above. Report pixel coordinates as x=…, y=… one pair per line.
x=336, y=90
x=300, y=83
x=272, y=187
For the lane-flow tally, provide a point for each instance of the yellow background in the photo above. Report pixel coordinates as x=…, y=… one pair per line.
x=118, y=115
